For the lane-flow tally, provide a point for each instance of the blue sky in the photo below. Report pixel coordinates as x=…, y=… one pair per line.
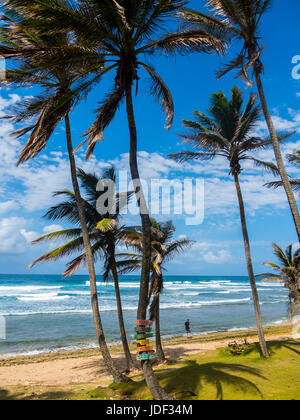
x=25, y=192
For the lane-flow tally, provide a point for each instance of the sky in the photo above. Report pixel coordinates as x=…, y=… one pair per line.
x=26, y=191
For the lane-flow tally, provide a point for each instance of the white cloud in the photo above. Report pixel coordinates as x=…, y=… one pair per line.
x=29, y=236
x=52, y=228
x=13, y=236
x=219, y=257
x=213, y=252
x=282, y=124
x=182, y=237
x=12, y=99
x=8, y=206
x=39, y=178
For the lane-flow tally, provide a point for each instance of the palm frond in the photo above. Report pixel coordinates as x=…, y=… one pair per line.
x=187, y=155
x=74, y=265
x=295, y=184
x=105, y=115
x=59, y=235
x=76, y=245
x=128, y=266
x=267, y=166
x=294, y=158
x=281, y=255
x=177, y=247
x=106, y=225
x=187, y=41
x=161, y=91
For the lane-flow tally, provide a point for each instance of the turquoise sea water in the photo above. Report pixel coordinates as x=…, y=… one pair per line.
x=45, y=313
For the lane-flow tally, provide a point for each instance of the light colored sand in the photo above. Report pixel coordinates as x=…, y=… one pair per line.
x=89, y=369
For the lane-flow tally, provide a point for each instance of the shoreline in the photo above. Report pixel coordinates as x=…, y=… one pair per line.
x=83, y=375
x=93, y=346
x=283, y=329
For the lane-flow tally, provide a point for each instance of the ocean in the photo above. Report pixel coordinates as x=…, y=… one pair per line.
x=45, y=313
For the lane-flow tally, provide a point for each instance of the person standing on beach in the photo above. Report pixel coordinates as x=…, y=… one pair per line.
x=188, y=328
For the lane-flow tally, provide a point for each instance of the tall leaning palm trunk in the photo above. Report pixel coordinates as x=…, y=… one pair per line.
x=241, y=19
x=277, y=152
x=226, y=132
x=163, y=248
x=129, y=360
x=156, y=390
x=102, y=230
x=125, y=33
x=146, y=223
x=297, y=304
x=159, y=348
x=41, y=61
x=261, y=336
x=118, y=377
x=288, y=272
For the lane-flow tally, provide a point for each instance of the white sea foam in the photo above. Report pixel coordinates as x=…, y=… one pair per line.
x=46, y=297
x=72, y=293
x=121, y=284
x=108, y=308
x=202, y=303
x=15, y=290
x=267, y=284
x=191, y=294
x=226, y=292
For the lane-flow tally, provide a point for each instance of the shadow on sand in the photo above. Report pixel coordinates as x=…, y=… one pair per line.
x=193, y=377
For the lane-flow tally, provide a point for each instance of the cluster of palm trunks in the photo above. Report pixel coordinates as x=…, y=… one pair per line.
x=143, y=333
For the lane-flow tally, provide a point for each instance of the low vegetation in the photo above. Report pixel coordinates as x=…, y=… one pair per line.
x=213, y=375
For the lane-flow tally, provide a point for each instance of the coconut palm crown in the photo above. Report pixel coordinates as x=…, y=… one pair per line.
x=102, y=216
x=294, y=159
x=55, y=63
x=102, y=223
x=242, y=19
x=288, y=272
x=164, y=249
x=125, y=33
x=227, y=132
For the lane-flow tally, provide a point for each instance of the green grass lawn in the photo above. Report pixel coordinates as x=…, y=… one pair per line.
x=213, y=375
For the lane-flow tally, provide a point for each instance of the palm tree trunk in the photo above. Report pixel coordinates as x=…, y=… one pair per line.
x=156, y=390
x=297, y=304
x=129, y=361
x=295, y=297
x=159, y=348
x=262, y=341
x=280, y=164
x=118, y=377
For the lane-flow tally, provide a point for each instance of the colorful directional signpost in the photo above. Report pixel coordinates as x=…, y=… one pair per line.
x=143, y=333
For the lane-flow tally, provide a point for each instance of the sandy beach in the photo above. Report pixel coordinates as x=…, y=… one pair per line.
x=87, y=367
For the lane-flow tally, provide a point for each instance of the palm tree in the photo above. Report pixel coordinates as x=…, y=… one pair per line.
x=103, y=232
x=164, y=249
x=127, y=33
x=294, y=159
x=61, y=69
x=227, y=132
x=242, y=19
x=288, y=272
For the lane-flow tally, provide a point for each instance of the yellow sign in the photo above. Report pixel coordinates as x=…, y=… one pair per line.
x=143, y=342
